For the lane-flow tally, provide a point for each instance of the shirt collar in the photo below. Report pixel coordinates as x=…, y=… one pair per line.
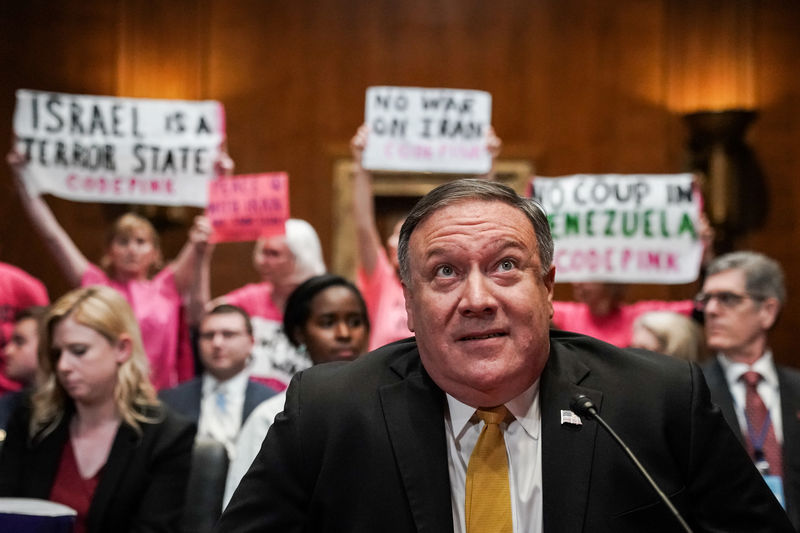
x=733, y=370
x=524, y=407
x=236, y=383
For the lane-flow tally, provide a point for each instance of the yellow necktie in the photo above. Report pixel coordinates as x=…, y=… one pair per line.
x=488, y=498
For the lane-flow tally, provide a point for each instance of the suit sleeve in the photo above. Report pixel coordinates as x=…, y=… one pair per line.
x=162, y=502
x=12, y=463
x=726, y=491
x=275, y=492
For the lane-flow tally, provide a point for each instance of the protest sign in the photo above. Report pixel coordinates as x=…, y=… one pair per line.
x=118, y=150
x=623, y=228
x=244, y=208
x=427, y=130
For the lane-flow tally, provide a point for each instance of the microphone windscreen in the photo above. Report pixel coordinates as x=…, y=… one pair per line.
x=582, y=405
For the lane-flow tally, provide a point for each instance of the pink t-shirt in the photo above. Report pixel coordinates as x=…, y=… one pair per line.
x=256, y=299
x=18, y=290
x=386, y=304
x=157, y=305
x=615, y=328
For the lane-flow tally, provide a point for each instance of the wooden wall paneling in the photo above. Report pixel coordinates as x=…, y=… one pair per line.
x=65, y=46
x=578, y=86
x=774, y=138
x=162, y=53
x=259, y=60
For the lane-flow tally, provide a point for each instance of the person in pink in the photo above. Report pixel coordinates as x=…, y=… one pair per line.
x=376, y=275
x=283, y=262
x=131, y=265
x=18, y=290
x=599, y=312
x=599, y=309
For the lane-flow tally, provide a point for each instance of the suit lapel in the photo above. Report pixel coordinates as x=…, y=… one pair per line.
x=567, y=449
x=195, y=398
x=119, y=457
x=413, y=410
x=721, y=395
x=48, y=454
x=250, y=401
x=790, y=416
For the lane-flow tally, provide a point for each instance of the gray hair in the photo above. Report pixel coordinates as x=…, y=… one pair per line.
x=475, y=189
x=303, y=242
x=763, y=276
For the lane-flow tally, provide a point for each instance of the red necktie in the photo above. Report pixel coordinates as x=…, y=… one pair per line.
x=761, y=441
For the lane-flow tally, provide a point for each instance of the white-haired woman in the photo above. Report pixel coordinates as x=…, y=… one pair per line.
x=283, y=262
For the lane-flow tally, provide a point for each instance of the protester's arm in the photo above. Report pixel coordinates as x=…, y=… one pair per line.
x=69, y=258
x=493, y=146
x=367, y=236
x=192, y=268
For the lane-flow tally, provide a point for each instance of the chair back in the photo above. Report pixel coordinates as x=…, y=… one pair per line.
x=206, y=486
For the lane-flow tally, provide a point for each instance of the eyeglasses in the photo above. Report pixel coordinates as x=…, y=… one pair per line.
x=226, y=334
x=726, y=299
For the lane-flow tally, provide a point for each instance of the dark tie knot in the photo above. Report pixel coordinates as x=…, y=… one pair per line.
x=494, y=415
x=751, y=378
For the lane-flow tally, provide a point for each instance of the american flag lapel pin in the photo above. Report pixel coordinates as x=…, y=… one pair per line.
x=568, y=417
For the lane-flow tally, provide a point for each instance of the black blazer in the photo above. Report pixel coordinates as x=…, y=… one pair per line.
x=361, y=447
x=143, y=484
x=186, y=398
x=789, y=385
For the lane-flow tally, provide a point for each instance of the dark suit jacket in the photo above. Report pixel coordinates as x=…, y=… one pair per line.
x=142, y=486
x=361, y=447
x=789, y=384
x=186, y=398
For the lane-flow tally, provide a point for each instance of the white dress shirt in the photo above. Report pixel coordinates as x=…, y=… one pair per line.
x=767, y=389
x=523, y=446
x=221, y=418
x=249, y=441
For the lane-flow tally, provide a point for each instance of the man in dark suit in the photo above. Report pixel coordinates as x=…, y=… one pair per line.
x=409, y=437
x=742, y=296
x=223, y=397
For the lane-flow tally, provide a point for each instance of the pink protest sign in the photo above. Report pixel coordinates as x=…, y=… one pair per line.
x=244, y=208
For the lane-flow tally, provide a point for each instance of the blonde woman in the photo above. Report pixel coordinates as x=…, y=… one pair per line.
x=94, y=436
x=669, y=333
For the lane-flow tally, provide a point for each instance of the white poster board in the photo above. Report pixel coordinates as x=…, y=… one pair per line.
x=118, y=150
x=427, y=130
x=623, y=228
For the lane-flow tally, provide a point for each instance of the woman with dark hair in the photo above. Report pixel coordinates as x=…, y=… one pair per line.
x=94, y=435
x=327, y=318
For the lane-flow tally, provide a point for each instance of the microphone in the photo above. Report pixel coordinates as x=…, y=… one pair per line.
x=584, y=407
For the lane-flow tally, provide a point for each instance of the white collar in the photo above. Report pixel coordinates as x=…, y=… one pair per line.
x=524, y=407
x=231, y=385
x=764, y=365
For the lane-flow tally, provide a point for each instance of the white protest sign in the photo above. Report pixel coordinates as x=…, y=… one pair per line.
x=623, y=228
x=427, y=130
x=118, y=150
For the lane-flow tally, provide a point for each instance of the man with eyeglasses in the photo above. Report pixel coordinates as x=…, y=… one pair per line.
x=222, y=398
x=742, y=296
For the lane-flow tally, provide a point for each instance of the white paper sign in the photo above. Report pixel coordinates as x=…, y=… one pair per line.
x=118, y=150
x=427, y=130
x=623, y=228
